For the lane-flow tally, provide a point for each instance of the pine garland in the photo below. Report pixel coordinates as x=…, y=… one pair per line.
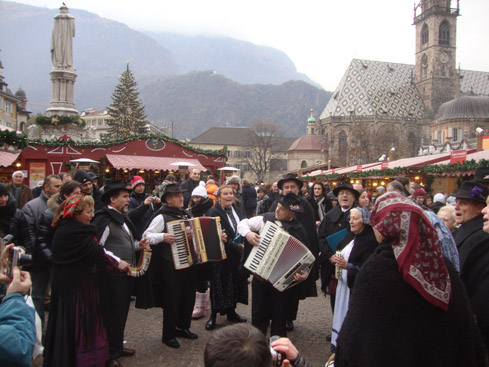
x=56, y=120
x=107, y=143
x=11, y=137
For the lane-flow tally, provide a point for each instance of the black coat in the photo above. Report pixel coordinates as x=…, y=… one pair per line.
x=12, y=221
x=189, y=185
x=365, y=244
x=468, y=236
x=306, y=218
x=390, y=324
x=334, y=221
x=228, y=284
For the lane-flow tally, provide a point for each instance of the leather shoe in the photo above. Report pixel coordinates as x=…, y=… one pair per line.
x=289, y=325
x=172, y=343
x=113, y=363
x=211, y=324
x=234, y=317
x=128, y=352
x=185, y=333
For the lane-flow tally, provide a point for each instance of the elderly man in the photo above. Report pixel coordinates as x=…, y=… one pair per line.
x=335, y=220
x=19, y=191
x=291, y=184
x=189, y=185
x=118, y=235
x=32, y=211
x=268, y=304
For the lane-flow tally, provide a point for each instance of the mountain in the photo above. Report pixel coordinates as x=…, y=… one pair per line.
x=238, y=60
x=166, y=67
x=198, y=100
x=101, y=49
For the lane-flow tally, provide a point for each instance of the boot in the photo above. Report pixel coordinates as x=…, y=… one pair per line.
x=211, y=324
x=199, y=307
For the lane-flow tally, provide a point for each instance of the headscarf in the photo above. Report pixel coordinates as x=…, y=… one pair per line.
x=68, y=208
x=416, y=246
x=365, y=213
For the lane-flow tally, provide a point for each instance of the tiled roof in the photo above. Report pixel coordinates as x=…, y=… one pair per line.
x=383, y=88
x=464, y=107
x=309, y=142
x=224, y=136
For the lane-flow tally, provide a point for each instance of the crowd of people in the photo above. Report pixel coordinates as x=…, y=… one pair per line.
x=405, y=272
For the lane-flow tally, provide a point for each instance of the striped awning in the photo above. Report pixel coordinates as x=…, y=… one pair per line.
x=7, y=158
x=148, y=163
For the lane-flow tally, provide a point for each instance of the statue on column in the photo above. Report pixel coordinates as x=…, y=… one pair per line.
x=62, y=40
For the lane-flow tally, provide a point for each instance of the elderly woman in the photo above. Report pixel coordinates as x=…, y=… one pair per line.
x=76, y=335
x=447, y=214
x=228, y=287
x=409, y=306
x=319, y=201
x=353, y=255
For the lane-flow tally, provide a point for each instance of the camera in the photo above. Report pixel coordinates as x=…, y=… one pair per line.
x=277, y=357
x=14, y=257
x=153, y=198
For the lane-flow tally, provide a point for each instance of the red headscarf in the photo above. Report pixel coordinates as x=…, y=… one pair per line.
x=416, y=246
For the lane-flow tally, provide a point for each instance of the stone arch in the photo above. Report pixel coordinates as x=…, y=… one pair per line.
x=303, y=164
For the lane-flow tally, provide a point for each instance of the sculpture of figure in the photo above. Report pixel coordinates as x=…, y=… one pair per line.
x=61, y=40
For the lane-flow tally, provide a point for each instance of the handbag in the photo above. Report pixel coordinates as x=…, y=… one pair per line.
x=333, y=283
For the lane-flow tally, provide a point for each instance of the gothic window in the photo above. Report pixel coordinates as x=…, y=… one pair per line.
x=342, y=148
x=444, y=33
x=303, y=164
x=424, y=35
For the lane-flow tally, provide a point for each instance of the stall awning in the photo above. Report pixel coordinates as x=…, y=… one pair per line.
x=7, y=158
x=148, y=163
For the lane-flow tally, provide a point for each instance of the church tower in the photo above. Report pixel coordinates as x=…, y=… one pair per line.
x=436, y=75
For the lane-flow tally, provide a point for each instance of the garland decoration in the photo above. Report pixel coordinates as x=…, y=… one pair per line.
x=12, y=137
x=107, y=143
x=56, y=120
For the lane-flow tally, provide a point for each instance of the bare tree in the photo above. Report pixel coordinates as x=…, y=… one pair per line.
x=260, y=143
x=367, y=145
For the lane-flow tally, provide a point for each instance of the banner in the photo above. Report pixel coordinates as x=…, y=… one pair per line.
x=458, y=156
x=384, y=165
x=359, y=168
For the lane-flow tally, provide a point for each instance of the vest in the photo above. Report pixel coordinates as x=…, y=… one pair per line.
x=121, y=243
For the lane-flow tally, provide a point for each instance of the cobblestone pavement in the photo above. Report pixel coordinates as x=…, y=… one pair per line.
x=143, y=333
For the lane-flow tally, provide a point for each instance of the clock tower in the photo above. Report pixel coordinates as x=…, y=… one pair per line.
x=436, y=75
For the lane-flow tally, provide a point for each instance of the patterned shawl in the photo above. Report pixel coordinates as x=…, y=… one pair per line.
x=416, y=246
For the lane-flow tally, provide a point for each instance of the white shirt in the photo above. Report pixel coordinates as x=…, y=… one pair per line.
x=154, y=233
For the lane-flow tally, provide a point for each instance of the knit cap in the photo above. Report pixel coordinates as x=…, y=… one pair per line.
x=200, y=191
x=136, y=180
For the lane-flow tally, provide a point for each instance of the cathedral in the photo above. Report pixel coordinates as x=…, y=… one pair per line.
x=382, y=108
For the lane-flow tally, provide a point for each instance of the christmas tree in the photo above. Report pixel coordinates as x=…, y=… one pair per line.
x=126, y=111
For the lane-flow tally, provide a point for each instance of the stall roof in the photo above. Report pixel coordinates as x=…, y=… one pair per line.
x=120, y=161
x=7, y=158
x=476, y=156
x=418, y=161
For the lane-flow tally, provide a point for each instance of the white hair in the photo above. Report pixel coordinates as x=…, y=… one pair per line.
x=22, y=173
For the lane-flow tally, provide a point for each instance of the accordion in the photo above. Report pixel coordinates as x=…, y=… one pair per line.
x=278, y=257
x=140, y=269
x=198, y=241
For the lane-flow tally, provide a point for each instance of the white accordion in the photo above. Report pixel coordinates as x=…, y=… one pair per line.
x=278, y=257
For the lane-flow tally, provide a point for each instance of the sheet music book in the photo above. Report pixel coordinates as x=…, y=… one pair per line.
x=334, y=239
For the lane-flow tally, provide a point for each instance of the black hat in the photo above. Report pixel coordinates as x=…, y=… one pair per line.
x=473, y=191
x=290, y=177
x=3, y=189
x=292, y=202
x=170, y=189
x=113, y=186
x=81, y=176
x=482, y=175
x=346, y=186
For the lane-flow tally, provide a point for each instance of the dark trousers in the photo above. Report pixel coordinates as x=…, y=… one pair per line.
x=119, y=289
x=268, y=304
x=40, y=279
x=179, y=288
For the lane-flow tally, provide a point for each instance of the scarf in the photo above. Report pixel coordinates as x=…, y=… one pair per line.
x=416, y=246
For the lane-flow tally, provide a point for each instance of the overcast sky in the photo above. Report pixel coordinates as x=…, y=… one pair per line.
x=320, y=36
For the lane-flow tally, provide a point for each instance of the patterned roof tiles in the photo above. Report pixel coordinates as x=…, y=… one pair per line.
x=383, y=88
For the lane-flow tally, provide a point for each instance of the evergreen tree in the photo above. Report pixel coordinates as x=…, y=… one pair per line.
x=126, y=111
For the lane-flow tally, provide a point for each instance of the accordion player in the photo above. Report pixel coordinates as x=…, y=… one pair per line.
x=278, y=257
x=198, y=240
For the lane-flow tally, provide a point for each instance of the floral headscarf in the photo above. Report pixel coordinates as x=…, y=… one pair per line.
x=68, y=208
x=416, y=246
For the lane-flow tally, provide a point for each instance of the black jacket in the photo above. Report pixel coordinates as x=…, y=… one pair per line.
x=13, y=222
x=189, y=185
x=390, y=324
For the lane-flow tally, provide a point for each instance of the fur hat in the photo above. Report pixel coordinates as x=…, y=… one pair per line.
x=136, y=180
